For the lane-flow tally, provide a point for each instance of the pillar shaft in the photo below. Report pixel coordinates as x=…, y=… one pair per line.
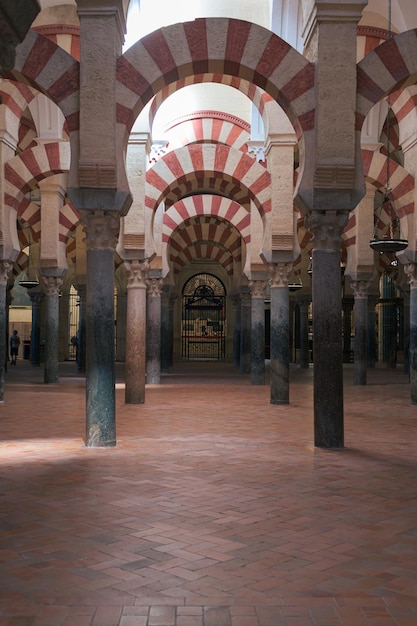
x=5, y=268
x=245, y=333
x=136, y=332
x=257, y=350
x=236, y=329
x=411, y=270
x=304, y=347
x=51, y=287
x=280, y=333
x=101, y=229
x=165, y=330
x=35, y=295
x=327, y=329
x=153, y=339
x=360, y=290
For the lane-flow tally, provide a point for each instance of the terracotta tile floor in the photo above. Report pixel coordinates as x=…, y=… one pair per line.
x=215, y=509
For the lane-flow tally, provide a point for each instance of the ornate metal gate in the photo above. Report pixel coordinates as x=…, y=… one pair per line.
x=203, y=318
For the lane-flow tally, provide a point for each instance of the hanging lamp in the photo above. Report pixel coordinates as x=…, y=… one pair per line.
x=391, y=242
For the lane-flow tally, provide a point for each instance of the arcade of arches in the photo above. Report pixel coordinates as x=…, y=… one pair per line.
x=212, y=186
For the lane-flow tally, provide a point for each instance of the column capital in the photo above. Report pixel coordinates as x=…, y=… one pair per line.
x=5, y=267
x=360, y=288
x=326, y=228
x=257, y=288
x=51, y=284
x=101, y=229
x=279, y=273
x=137, y=272
x=154, y=287
x=410, y=270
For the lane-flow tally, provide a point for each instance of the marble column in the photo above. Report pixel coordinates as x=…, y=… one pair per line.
x=35, y=296
x=388, y=323
x=245, y=332
x=5, y=267
x=153, y=337
x=304, y=305
x=347, y=308
x=327, y=329
x=372, y=343
x=121, y=325
x=360, y=290
x=406, y=331
x=136, y=331
x=257, y=352
x=81, y=339
x=235, y=298
x=101, y=229
x=165, y=329
x=411, y=271
x=280, y=333
x=51, y=285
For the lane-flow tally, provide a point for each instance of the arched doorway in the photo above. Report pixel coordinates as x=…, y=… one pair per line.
x=203, y=320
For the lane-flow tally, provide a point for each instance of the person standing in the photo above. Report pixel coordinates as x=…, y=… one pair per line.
x=14, y=347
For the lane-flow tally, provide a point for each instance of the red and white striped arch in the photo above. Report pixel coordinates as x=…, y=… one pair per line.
x=29, y=167
x=210, y=168
x=206, y=206
x=209, y=126
x=390, y=66
x=402, y=194
x=204, y=238
x=24, y=171
x=15, y=99
x=404, y=104
x=42, y=64
x=216, y=46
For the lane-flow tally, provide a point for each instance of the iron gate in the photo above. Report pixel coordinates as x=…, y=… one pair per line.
x=203, y=320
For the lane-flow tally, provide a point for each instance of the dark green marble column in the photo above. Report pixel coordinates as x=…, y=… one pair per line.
x=327, y=329
x=165, y=327
x=411, y=271
x=372, y=345
x=101, y=229
x=245, y=332
x=236, y=329
x=280, y=345
x=51, y=286
x=360, y=290
x=81, y=346
x=257, y=351
x=304, y=304
x=35, y=296
x=5, y=267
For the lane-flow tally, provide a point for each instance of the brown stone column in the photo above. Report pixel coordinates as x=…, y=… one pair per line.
x=153, y=338
x=136, y=331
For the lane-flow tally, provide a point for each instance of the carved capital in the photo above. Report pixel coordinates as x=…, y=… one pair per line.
x=410, y=270
x=154, y=287
x=257, y=288
x=245, y=298
x=137, y=272
x=360, y=288
x=5, y=267
x=279, y=273
x=51, y=285
x=326, y=228
x=101, y=229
